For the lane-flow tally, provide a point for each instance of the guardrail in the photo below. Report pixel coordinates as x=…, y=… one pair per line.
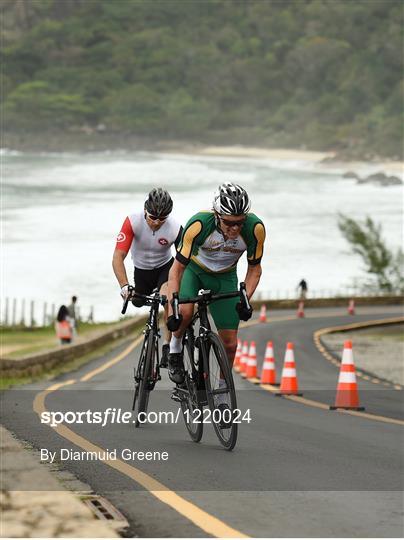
x=328, y=302
x=342, y=292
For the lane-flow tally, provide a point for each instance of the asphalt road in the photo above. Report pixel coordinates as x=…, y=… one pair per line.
x=297, y=470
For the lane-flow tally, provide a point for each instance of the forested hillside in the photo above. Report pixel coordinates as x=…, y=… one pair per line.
x=324, y=74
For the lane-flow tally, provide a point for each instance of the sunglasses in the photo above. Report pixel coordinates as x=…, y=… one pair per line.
x=156, y=218
x=229, y=223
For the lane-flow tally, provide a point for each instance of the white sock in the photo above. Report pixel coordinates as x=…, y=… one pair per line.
x=175, y=344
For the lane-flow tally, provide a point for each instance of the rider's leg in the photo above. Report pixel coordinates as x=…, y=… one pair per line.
x=175, y=358
x=190, y=285
x=167, y=333
x=229, y=338
x=161, y=284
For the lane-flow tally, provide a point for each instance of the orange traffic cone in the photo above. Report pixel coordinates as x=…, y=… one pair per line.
x=237, y=357
x=244, y=357
x=347, y=389
x=263, y=313
x=268, y=374
x=251, y=371
x=289, y=385
x=300, y=309
x=351, y=307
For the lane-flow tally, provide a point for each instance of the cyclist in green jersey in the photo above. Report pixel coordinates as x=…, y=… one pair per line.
x=211, y=245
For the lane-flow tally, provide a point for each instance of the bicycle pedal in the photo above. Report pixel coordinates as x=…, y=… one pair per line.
x=175, y=397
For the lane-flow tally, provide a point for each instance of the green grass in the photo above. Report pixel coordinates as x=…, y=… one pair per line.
x=32, y=340
x=8, y=382
x=394, y=332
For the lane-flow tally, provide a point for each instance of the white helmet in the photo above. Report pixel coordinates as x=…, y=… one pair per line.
x=231, y=199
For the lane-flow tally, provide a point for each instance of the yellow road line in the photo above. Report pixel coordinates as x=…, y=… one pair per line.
x=205, y=521
x=324, y=406
x=329, y=357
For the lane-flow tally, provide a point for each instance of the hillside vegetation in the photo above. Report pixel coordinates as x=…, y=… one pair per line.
x=322, y=74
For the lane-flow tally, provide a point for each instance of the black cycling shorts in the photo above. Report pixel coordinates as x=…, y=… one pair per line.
x=147, y=280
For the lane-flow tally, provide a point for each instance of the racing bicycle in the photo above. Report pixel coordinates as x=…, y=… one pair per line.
x=205, y=363
x=147, y=372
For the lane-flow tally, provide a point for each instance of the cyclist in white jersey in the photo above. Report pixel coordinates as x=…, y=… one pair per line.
x=149, y=235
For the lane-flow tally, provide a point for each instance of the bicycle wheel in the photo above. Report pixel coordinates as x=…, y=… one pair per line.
x=146, y=370
x=189, y=391
x=221, y=395
x=138, y=373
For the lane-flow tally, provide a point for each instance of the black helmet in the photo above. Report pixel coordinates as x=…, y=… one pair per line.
x=231, y=199
x=159, y=202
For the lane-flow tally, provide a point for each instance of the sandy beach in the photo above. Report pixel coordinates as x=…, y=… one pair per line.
x=84, y=143
x=327, y=160
x=283, y=154
x=267, y=153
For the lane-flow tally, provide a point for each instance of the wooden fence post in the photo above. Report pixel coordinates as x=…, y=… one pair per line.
x=45, y=307
x=14, y=312
x=22, y=321
x=32, y=317
x=6, y=312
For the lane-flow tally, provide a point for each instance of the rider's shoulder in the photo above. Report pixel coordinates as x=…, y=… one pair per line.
x=136, y=217
x=205, y=217
x=173, y=222
x=252, y=220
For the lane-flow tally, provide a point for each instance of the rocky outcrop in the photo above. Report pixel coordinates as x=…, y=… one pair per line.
x=376, y=178
x=351, y=174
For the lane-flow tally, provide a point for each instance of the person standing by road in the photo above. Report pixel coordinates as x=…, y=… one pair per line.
x=207, y=256
x=63, y=326
x=73, y=315
x=149, y=235
x=302, y=287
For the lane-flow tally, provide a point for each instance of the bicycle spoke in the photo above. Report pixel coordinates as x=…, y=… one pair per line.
x=189, y=392
x=221, y=393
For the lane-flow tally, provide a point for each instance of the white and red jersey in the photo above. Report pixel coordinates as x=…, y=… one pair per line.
x=149, y=249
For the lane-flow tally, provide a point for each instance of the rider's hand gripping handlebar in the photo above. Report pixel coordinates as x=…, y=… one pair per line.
x=243, y=307
x=174, y=320
x=174, y=304
x=127, y=299
x=243, y=296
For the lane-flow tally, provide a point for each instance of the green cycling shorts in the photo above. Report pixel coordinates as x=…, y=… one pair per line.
x=223, y=311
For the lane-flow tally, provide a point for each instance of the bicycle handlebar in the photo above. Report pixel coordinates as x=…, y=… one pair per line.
x=162, y=299
x=208, y=297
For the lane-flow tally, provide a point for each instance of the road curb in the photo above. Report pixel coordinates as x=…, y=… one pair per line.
x=37, y=363
x=334, y=359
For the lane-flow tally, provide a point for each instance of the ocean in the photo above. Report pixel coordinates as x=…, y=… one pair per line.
x=61, y=214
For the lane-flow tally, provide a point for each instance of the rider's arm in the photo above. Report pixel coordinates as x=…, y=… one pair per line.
x=252, y=278
x=185, y=247
x=123, y=243
x=255, y=252
x=174, y=281
x=178, y=239
x=119, y=267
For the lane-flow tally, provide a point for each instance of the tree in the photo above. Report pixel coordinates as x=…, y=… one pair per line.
x=366, y=240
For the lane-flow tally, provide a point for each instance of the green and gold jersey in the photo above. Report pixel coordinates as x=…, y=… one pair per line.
x=204, y=244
